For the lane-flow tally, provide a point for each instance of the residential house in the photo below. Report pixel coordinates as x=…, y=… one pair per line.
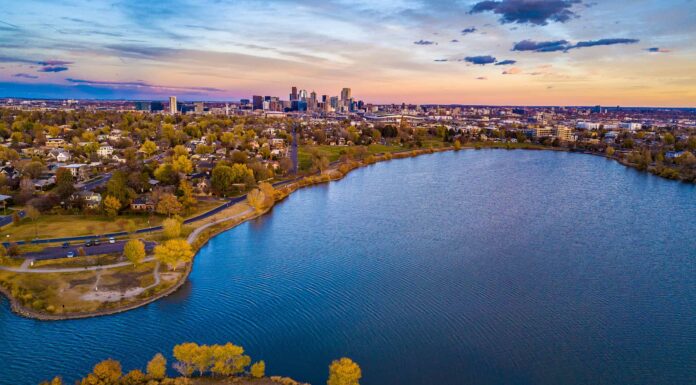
x=90, y=199
x=105, y=151
x=143, y=203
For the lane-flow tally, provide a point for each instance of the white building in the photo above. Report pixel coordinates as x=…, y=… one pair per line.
x=105, y=151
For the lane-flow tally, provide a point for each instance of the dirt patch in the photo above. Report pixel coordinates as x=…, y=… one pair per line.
x=125, y=280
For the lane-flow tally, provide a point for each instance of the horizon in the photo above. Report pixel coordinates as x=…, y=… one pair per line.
x=507, y=52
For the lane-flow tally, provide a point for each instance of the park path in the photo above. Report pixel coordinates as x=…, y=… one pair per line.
x=195, y=233
x=26, y=267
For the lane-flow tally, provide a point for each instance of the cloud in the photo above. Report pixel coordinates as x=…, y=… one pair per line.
x=454, y=41
x=26, y=76
x=535, y=12
x=512, y=71
x=468, y=30
x=541, y=46
x=564, y=45
x=441, y=60
x=54, y=63
x=53, y=69
x=424, y=42
x=139, y=84
x=480, y=60
x=506, y=62
x=658, y=50
x=481, y=78
x=593, y=43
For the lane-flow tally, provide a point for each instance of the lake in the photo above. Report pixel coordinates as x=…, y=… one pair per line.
x=470, y=267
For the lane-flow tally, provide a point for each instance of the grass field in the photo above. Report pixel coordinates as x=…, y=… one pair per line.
x=333, y=153
x=54, y=226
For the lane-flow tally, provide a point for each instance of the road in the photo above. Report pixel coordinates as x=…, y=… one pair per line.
x=7, y=219
x=102, y=248
x=95, y=183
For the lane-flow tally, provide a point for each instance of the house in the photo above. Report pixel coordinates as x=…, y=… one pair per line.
x=105, y=151
x=91, y=199
x=118, y=159
x=59, y=155
x=55, y=142
x=203, y=186
x=79, y=171
x=143, y=203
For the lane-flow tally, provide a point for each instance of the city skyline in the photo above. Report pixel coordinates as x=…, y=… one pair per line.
x=509, y=52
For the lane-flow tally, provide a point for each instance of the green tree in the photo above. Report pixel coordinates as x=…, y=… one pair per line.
x=134, y=250
x=118, y=188
x=173, y=252
x=111, y=205
x=225, y=177
x=344, y=372
x=157, y=367
x=258, y=369
x=64, y=183
x=166, y=174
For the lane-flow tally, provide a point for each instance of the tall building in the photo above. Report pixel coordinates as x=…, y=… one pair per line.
x=345, y=94
x=156, y=106
x=293, y=94
x=198, y=108
x=257, y=102
x=143, y=106
x=172, y=105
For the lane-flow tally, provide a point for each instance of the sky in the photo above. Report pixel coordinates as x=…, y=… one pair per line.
x=498, y=52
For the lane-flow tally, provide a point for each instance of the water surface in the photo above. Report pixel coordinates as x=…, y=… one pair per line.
x=476, y=267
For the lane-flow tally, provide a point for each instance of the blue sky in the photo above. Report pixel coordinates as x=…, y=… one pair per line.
x=640, y=52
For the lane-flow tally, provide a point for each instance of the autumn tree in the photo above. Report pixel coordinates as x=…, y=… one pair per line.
x=256, y=199
x=457, y=145
x=57, y=380
x=134, y=250
x=173, y=252
x=171, y=227
x=168, y=205
x=258, y=369
x=157, y=367
x=186, y=198
x=229, y=359
x=185, y=355
x=148, y=148
x=344, y=372
x=107, y=372
x=134, y=377
x=111, y=206
x=225, y=177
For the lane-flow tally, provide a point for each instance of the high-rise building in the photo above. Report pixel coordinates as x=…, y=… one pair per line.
x=172, y=105
x=293, y=94
x=312, y=105
x=156, y=106
x=345, y=94
x=198, y=108
x=257, y=102
x=143, y=106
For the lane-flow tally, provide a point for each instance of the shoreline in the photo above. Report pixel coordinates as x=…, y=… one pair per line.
x=332, y=174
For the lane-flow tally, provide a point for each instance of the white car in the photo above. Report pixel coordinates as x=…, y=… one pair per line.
x=71, y=254
x=112, y=240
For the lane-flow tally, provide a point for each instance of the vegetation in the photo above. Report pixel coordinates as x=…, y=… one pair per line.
x=226, y=363
x=174, y=252
x=134, y=250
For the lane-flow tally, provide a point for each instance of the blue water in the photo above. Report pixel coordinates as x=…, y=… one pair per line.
x=476, y=267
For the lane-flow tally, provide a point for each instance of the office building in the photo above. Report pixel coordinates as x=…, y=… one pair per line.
x=257, y=102
x=172, y=105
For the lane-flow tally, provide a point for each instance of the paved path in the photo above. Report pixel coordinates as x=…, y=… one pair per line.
x=25, y=268
x=195, y=233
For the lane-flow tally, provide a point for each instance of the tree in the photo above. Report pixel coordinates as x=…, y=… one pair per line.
x=166, y=174
x=610, y=151
x=134, y=377
x=258, y=369
x=157, y=367
x=171, y=227
x=55, y=381
x=111, y=205
x=168, y=205
x=185, y=354
x=64, y=183
x=149, y=147
x=173, y=252
x=186, y=197
x=256, y=199
x=225, y=177
x=16, y=218
x=32, y=213
x=118, y=188
x=134, y=250
x=229, y=359
x=107, y=372
x=344, y=372
x=182, y=164
x=457, y=145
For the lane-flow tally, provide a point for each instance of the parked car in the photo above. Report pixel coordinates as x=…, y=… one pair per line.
x=71, y=254
x=66, y=245
x=96, y=242
x=89, y=243
x=112, y=240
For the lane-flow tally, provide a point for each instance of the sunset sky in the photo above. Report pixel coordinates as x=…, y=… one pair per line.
x=521, y=52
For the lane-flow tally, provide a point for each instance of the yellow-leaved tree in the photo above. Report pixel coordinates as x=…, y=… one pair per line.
x=173, y=252
x=134, y=250
x=157, y=367
x=344, y=372
x=258, y=370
